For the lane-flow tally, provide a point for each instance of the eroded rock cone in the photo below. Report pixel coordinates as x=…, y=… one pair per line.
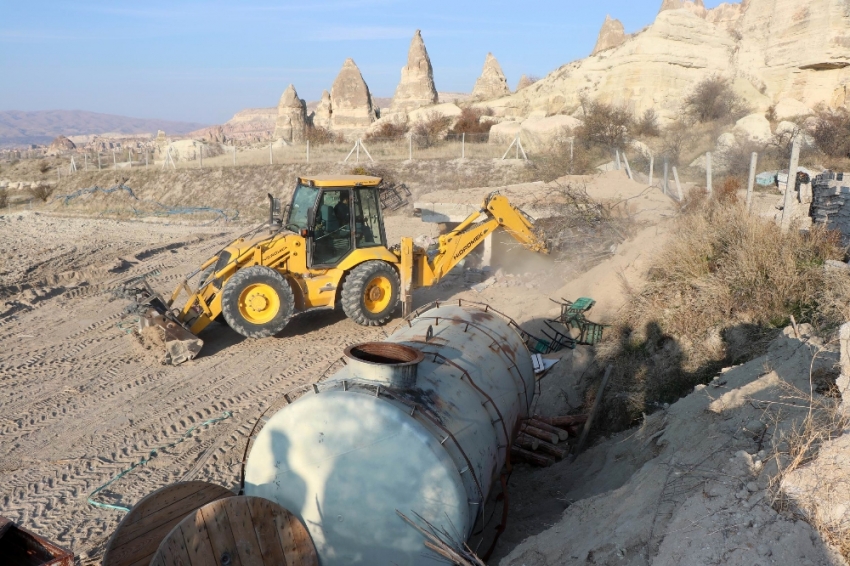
x=611, y=35
x=351, y=100
x=322, y=115
x=61, y=143
x=416, y=88
x=524, y=81
x=492, y=82
x=291, y=117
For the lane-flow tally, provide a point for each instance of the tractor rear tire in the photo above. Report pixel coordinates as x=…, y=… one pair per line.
x=370, y=293
x=257, y=301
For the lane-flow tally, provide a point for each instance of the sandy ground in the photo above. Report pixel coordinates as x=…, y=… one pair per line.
x=84, y=399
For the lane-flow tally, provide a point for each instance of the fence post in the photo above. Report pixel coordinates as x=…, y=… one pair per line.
x=463, y=145
x=202, y=155
x=664, y=187
x=357, y=147
x=617, y=155
x=752, y=180
x=85, y=161
x=146, y=159
x=308, y=151
x=130, y=158
x=271, y=158
x=114, y=162
x=708, y=172
x=651, y=165
x=791, y=185
x=628, y=169
x=234, y=155
x=678, y=185
x=410, y=147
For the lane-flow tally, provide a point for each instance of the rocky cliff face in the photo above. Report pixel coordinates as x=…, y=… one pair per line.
x=771, y=49
x=416, y=88
x=351, y=101
x=291, y=117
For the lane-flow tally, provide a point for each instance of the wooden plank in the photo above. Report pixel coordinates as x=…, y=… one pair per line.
x=173, y=551
x=140, y=533
x=220, y=533
x=530, y=457
x=287, y=540
x=541, y=434
x=263, y=518
x=561, y=433
x=599, y=394
x=196, y=539
x=565, y=421
x=305, y=550
x=242, y=525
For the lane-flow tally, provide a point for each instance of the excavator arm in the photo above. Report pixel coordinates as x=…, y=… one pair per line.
x=418, y=271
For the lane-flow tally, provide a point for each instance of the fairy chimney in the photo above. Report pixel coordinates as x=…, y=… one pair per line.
x=351, y=101
x=416, y=88
x=322, y=115
x=291, y=117
x=611, y=35
x=492, y=82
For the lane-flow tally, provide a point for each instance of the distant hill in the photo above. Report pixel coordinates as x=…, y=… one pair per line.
x=19, y=128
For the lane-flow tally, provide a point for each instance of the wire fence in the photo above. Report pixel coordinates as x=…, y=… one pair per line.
x=188, y=154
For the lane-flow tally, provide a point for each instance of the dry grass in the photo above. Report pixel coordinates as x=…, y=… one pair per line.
x=716, y=295
x=4, y=197
x=798, y=446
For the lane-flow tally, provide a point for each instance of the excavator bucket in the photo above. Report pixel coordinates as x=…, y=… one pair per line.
x=180, y=344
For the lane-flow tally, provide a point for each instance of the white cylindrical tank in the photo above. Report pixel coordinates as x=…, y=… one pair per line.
x=420, y=424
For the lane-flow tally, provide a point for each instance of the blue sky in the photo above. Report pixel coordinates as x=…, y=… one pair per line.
x=203, y=61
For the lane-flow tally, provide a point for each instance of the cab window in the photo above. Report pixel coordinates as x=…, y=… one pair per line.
x=332, y=232
x=367, y=218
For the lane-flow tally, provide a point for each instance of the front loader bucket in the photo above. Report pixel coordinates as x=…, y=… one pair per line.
x=180, y=344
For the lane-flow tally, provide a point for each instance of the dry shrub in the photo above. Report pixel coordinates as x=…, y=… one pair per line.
x=432, y=129
x=676, y=140
x=556, y=161
x=831, y=131
x=469, y=122
x=43, y=166
x=726, y=276
x=573, y=216
x=727, y=192
x=388, y=130
x=42, y=191
x=647, y=125
x=318, y=135
x=714, y=100
x=605, y=126
x=4, y=197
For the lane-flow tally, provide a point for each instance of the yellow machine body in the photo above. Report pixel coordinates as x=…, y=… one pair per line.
x=286, y=248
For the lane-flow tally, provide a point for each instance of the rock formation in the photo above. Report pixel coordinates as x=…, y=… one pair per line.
x=322, y=115
x=524, y=81
x=611, y=35
x=351, y=101
x=291, y=117
x=61, y=143
x=770, y=50
x=492, y=82
x=416, y=88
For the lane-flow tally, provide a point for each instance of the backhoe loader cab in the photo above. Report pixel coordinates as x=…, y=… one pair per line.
x=327, y=249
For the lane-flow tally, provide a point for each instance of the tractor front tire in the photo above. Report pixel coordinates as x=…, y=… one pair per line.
x=370, y=293
x=257, y=301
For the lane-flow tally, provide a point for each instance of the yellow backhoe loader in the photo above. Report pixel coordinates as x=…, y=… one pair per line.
x=328, y=249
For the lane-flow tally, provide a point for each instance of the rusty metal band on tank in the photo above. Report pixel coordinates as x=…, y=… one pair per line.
x=419, y=424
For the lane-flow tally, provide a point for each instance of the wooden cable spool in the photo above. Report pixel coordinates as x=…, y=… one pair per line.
x=238, y=531
x=140, y=532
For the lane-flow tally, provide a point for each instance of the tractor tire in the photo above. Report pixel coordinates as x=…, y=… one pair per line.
x=257, y=301
x=370, y=293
